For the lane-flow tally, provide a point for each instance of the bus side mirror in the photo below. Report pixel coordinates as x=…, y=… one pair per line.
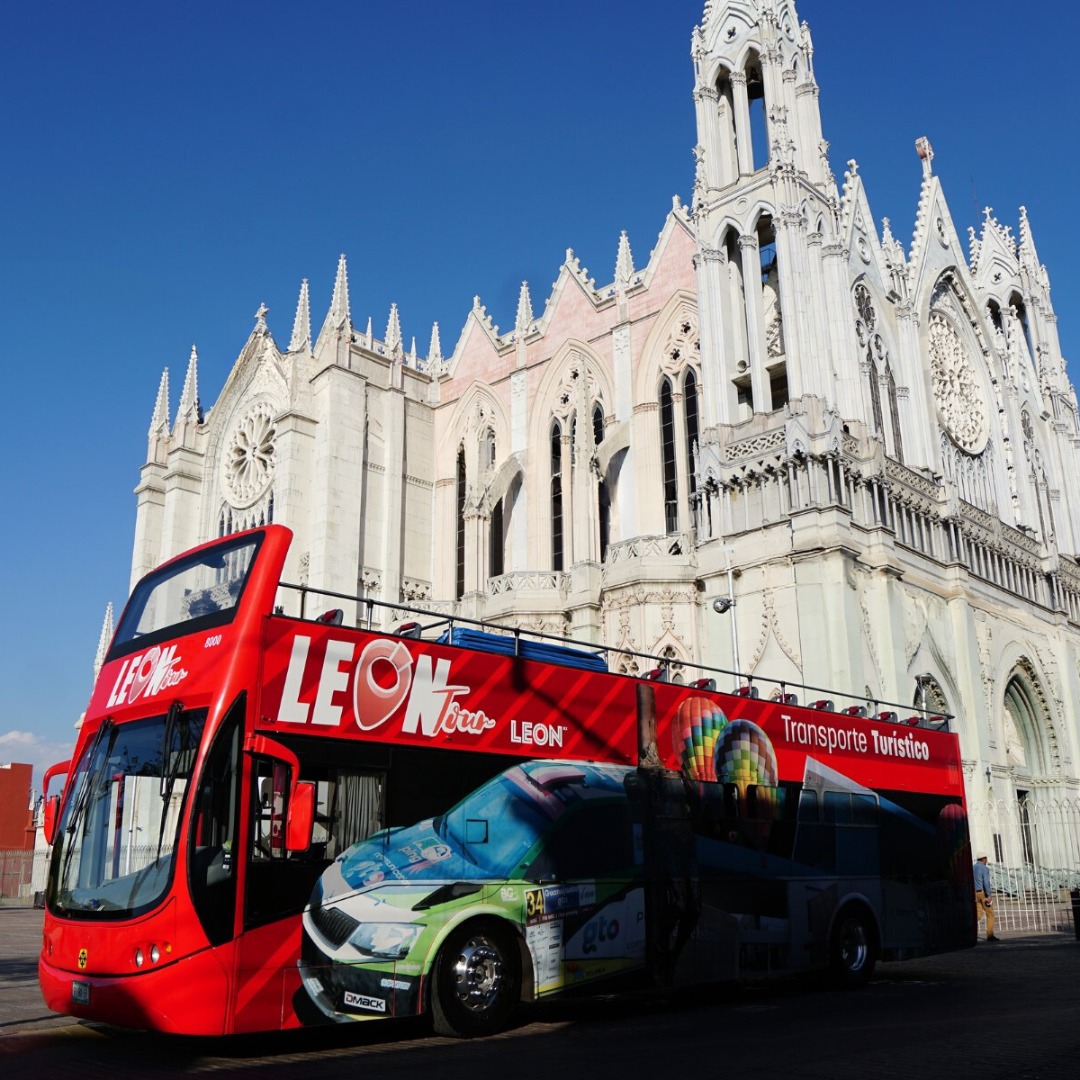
x=52, y=805
x=301, y=817
x=48, y=823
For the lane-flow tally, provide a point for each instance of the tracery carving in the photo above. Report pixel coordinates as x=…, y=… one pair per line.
x=683, y=345
x=958, y=390
x=249, y=459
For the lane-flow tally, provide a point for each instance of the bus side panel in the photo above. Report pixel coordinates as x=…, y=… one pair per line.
x=267, y=977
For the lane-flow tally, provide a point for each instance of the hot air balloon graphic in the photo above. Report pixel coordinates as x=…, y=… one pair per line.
x=745, y=758
x=695, y=732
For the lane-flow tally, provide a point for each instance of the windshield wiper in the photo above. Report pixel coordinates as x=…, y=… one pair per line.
x=176, y=722
x=93, y=773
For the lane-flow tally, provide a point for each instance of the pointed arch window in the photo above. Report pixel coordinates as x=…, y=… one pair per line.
x=667, y=451
x=556, y=497
x=894, y=412
x=726, y=169
x=875, y=394
x=496, y=546
x=690, y=409
x=1017, y=302
x=878, y=370
x=459, y=572
x=758, y=118
x=603, y=497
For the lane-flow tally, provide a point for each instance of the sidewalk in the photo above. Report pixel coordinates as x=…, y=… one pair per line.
x=21, y=1004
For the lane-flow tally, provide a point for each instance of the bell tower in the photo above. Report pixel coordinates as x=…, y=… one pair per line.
x=762, y=193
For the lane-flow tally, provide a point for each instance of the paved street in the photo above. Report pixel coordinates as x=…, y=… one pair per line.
x=1006, y=1011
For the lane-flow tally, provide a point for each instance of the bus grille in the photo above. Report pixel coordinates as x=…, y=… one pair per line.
x=333, y=923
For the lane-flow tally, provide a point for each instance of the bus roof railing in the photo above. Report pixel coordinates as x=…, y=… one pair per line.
x=658, y=668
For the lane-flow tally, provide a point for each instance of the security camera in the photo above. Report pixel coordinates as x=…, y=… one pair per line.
x=722, y=604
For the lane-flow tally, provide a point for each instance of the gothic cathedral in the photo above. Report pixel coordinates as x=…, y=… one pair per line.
x=868, y=454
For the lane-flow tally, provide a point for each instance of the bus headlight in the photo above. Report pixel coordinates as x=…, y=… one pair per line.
x=387, y=941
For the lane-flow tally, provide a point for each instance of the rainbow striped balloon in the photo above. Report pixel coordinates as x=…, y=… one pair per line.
x=695, y=733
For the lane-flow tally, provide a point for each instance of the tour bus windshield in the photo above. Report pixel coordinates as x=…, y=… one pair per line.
x=118, y=832
x=193, y=593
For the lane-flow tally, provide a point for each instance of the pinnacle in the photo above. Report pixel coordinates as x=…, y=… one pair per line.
x=301, y=331
x=159, y=422
x=104, y=638
x=188, y=409
x=393, y=331
x=339, y=304
x=624, y=263
x=524, y=310
x=1027, y=241
x=435, y=348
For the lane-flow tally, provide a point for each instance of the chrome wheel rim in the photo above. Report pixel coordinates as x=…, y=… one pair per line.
x=854, y=948
x=478, y=972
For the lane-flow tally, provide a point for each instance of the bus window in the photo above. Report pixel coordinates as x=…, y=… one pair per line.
x=350, y=806
x=594, y=841
x=815, y=838
x=213, y=831
x=838, y=807
x=858, y=840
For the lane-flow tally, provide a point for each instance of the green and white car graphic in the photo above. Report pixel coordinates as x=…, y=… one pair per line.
x=531, y=884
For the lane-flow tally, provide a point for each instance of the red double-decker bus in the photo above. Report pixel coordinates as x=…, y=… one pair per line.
x=272, y=820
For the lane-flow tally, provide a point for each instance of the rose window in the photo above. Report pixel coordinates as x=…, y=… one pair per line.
x=958, y=390
x=249, y=458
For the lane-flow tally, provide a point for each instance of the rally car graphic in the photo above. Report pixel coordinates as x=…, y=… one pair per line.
x=537, y=874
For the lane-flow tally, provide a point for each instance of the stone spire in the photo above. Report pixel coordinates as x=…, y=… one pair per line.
x=393, y=333
x=159, y=422
x=412, y=354
x=301, y=331
x=158, y=436
x=337, y=325
x=339, y=303
x=523, y=322
x=104, y=639
x=190, y=411
x=434, y=353
x=624, y=263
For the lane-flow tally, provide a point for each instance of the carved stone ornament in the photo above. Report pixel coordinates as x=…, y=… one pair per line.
x=958, y=390
x=248, y=463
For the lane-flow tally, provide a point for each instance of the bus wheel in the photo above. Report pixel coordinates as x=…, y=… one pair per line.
x=852, y=950
x=476, y=981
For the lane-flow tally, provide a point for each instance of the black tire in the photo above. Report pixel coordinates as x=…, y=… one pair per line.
x=476, y=980
x=852, y=949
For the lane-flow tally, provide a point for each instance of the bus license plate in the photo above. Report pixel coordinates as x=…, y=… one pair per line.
x=80, y=993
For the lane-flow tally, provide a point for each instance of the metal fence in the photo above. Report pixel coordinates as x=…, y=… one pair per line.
x=22, y=878
x=1034, y=861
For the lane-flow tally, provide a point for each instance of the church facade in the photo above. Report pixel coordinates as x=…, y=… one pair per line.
x=785, y=444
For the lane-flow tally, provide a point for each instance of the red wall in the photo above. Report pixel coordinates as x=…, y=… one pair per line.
x=16, y=828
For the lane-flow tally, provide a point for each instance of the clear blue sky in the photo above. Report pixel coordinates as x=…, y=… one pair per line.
x=169, y=167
